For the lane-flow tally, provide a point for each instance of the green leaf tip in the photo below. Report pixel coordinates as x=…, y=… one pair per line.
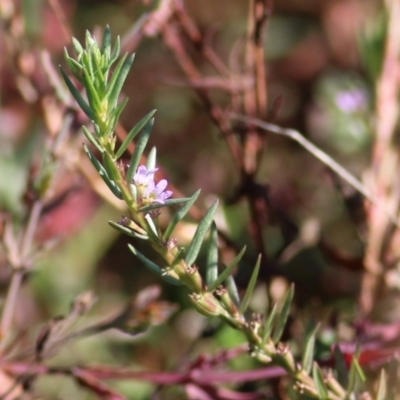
x=283, y=315
x=250, y=287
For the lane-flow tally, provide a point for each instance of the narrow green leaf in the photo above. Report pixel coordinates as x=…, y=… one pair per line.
x=283, y=315
x=118, y=79
x=227, y=271
x=151, y=224
x=92, y=139
x=269, y=324
x=115, y=75
x=117, y=49
x=77, y=47
x=89, y=40
x=212, y=255
x=250, y=287
x=97, y=129
x=356, y=377
x=103, y=173
x=78, y=97
x=73, y=65
x=106, y=43
x=319, y=383
x=202, y=228
x=151, y=159
x=359, y=370
x=109, y=165
x=232, y=290
x=139, y=148
x=167, y=203
x=98, y=78
x=340, y=366
x=114, y=117
x=133, y=132
x=91, y=93
x=153, y=267
x=87, y=63
x=180, y=215
x=308, y=355
x=382, y=386
x=126, y=231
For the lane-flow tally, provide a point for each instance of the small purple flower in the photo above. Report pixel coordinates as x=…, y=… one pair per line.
x=144, y=177
x=150, y=191
x=351, y=100
x=157, y=193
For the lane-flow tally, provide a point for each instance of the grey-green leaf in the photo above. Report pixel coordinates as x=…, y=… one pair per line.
x=91, y=93
x=139, y=148
x=319, y=383
x=151, y=159
x=133, y=132
x=103, y=173
x=232, y=290
x=118, y=80
x=356, y=377
x=110, y=167
x=227, y=271
x=283, y=315
x=77, y=47
x=202, y=228
x=92, y=139
x=308, y=354
x=167, y=203
x=340, y=366
x=106, y=44
x=180, y=215
x=269, y=324
x=212, y=255
x=153, y=267
x=126, y=231
x=78, y=97
x=250, y=287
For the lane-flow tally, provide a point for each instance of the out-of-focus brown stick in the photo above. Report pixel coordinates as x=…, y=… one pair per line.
x=172, y=40
x=384, y=173
x=197, y=39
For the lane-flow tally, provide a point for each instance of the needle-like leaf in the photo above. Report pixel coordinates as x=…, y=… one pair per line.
x=283, y=315
x=133, y=132
x=202, y=228
x=250, y=287
x=153, y=267
x=212, y=255
x=308, y=355
x=319, y=382
x=139, y=148
x=78, y=97
x=227, y=271
x=180, y=215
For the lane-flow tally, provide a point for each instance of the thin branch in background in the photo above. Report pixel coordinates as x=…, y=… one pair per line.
x=19, y=270
x=324, y=158
x=385, y=163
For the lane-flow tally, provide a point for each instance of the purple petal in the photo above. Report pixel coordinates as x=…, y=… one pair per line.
x=166, y=195
x=161, y=186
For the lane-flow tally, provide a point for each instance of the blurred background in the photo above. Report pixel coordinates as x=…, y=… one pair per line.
x=323, y=69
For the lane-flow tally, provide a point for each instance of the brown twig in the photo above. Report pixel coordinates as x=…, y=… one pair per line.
x=385, y=164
